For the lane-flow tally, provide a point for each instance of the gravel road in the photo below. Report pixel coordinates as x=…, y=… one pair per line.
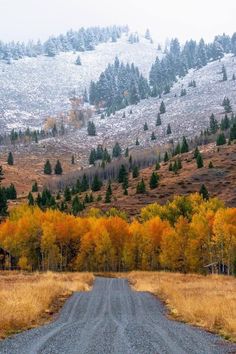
x=114, y=319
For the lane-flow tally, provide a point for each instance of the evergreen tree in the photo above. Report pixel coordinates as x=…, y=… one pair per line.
x=183, y=92
x=153, y=136
x=92, y=157
x=72, y=159
x=168, y=129
x=84, y=183
x=125, y=184
x=38, y=200
x=78, y=186
x=227, y=105
x=199, y=161
x=77, y=206
x=158, y=121
x=166, y=157
x=179, y=164
x=35, y=187
x=50, y=48
x=184, y=146
x=170, y=167
x=145, y=127
x=162, y=108
x=221, y=140
x=78, y=61
x=116, y=152
x=233, y=132
x=11, y=192
x=47, y=168
x=137, y=142
x=91, y=129
x=97, y=184
x=67, y=194
x=86, y=199
x=225, y=77
x=135, y=172
x=10, y=159
x=196, y=152
x=63, y=206
x=148, y=35
x=122, y=174
x=133, y=94
x=154, y=180
x=30, y=199
x=204, y=192
x=141, y=188
x=58, y=169
x=225, y=123
x=127, y=152
x=108, y=197
x=233, y=77
x=213, y=124
x=157, y=166
x=3, y=202
x=177, y=149
x=210, y=165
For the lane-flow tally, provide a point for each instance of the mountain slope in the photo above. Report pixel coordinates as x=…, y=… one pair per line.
x=220, y=181
x=33, y=88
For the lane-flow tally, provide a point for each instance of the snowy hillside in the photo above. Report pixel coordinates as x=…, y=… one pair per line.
x=33, y=88
x=188, y=115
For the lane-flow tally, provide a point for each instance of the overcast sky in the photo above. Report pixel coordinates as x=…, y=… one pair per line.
x=33, y=19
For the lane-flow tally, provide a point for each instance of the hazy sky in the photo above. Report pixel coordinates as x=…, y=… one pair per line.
x=33, y=19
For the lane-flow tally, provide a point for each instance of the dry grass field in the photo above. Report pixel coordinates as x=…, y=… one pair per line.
x=206, y=301
x=28, y=300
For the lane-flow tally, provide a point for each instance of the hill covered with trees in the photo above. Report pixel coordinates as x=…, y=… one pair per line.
x=79, y=41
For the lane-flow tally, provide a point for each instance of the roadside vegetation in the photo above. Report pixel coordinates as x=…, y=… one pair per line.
x=30, y=299
x=209, y=302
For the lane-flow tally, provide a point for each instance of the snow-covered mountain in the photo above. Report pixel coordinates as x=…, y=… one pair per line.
x=187, y=115
x=32, y=88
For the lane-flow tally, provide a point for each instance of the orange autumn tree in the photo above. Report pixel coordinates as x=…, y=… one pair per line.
x=184, y=235
x=134, y=247
x=174, y=247
x=155, y=230
x=225, y=237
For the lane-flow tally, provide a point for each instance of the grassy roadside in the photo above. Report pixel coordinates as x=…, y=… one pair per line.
x=206, y=301
x=30, y=300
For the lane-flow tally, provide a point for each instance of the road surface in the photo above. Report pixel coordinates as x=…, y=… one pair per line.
x=114, y=319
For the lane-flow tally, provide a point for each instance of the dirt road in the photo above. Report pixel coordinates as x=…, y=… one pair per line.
x=114, y=319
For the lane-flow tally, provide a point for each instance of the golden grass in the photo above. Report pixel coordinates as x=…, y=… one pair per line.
x=27, y=300
x=207, y=301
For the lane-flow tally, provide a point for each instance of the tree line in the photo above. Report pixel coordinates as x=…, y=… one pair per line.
x=28, y=135
x=122, y=84
x=184, y=235
x=80, y=41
